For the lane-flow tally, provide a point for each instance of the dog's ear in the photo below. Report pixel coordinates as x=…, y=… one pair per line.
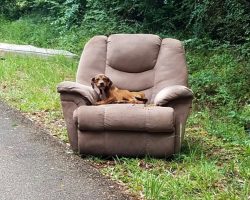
x=93, y=83
x=110, y=83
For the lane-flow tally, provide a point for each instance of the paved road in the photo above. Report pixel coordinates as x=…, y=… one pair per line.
x=33, y=165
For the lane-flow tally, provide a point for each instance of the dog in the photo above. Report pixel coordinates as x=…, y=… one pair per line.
x=110, y=94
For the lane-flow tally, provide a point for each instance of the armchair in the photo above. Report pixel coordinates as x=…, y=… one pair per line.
x=137, y=62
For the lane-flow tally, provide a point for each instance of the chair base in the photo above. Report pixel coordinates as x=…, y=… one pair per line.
x=123, y=143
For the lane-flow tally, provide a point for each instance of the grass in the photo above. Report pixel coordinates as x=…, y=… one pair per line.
x=207, y=168
x=33, y=31
x=29, y=84
x=25, y=31
x=214, y=163
x=215, y=158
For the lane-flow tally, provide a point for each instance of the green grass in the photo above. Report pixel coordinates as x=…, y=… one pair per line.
x=29, y=84
x=214, y=162
x=207, y=168
x=25, y=31
x=42, y=34
x=215, y=158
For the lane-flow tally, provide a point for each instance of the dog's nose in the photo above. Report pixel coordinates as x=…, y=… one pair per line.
x=101, y=84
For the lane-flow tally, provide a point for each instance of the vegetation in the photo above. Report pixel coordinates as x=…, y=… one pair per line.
x=215, y=160
x=214, y=163
x=226, y=22
x=29, y=84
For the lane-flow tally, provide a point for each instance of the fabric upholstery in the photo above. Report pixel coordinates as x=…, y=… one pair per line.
x=172, y=93
x=93, y=60
x=73, y=87
x=125, y=117
x=126, y=143
x=137, y=62
x=170, y=68
x=132, y=53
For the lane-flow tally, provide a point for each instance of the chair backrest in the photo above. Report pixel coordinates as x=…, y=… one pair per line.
x=137, y=62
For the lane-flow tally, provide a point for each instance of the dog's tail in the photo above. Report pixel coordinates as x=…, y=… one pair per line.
x=144, y=100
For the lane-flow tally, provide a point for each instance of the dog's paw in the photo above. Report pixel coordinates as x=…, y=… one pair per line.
x=144, y=100
x=98, y=103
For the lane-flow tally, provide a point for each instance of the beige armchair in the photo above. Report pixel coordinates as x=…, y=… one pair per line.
x=137, y=62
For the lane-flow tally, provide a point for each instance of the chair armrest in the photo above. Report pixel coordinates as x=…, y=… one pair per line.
x=84, y=91
x=72, y=96
x=171, y=93
x=180, y=98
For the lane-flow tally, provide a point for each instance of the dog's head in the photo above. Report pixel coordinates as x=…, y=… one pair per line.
x=101, y=81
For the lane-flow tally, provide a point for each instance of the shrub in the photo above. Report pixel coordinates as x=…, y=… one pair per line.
x=226, y=21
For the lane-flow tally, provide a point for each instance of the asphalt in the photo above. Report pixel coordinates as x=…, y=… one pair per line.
x=34, y=165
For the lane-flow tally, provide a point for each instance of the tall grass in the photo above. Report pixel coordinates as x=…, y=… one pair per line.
x=29, y=83
x=42, y=34
x=25, y=31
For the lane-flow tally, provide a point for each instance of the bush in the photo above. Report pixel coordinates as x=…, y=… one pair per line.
x=226, y=21
x=9, y=9
x=26, y=31
x=219, y=78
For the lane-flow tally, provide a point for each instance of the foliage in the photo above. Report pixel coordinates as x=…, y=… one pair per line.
x=214, y=163
x=225, y=21
x=25, y=31
x=71, y=13
x=9, y=9
x=220, y=79
x=32, y=31
x=211, y=74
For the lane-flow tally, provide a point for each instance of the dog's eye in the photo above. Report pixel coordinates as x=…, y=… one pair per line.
x=105, y=79
x=97, y=79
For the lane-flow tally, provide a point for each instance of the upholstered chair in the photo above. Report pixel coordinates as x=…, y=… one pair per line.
x=136, y=62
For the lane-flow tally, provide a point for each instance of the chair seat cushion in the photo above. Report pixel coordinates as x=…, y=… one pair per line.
x=125, y=117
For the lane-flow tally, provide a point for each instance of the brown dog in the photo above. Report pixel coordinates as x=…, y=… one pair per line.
x=111, y=94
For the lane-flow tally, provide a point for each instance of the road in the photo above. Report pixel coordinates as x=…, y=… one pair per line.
x=33, y=165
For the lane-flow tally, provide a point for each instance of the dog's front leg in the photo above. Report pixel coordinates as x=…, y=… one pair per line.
x=105, y=101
